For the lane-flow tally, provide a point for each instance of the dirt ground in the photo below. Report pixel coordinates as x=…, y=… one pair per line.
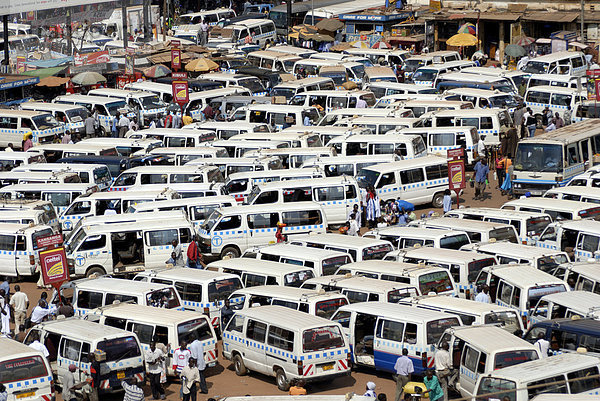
x=222, y=380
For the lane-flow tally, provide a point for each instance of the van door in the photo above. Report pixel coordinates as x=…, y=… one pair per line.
x=473, y=363
x=332, y=198
x=73, y=352
x=157, y=246
x=388, y=343
x=21, y=257
x=8, y=256
x=261, y=228
x=94, y=252
x=255, y=357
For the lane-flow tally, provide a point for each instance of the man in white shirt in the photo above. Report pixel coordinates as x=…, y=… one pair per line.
x=353, y=228
x=361, y=104
x=123, y=125
x=357, y=215
x=404, y=369
x=483, y=296
x=444, y=368
x=197, y=350
x=542, y=345
x=19, y=303
x=37, y=345
x=154, y=360
x=40, y=312
x=203, y=33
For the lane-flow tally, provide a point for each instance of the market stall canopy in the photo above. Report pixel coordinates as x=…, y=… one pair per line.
x=157, y=71
x=515, y=51
x=462, y=39
x=320, y=37
x=340, y=47
x=88, y=78
x=45, y=72
x=330, y=24
x=381, y=45
x=201, y=65
x=53, y=82
x=360, y=44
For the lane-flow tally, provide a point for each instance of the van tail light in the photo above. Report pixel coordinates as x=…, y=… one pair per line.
x=349, y=357
x=424, y=360
x=300, y=368
x=51, y=386
x=31, y=260
x=206, y=311
x=216, y=353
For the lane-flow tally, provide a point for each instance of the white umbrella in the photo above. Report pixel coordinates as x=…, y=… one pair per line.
x=88, y=78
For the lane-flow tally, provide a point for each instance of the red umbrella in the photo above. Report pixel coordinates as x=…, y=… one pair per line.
x=156, y=71
x=381, y=45
x=525, y=41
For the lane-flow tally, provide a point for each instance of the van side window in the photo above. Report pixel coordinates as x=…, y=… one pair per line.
x=89, y=299
x=70, y=349
x=146, y=179
x=7, y=242
x=281, y=338
x=505, y=292
x=588, y=243
x=185, y=235
x=584, y=380
x=143, y=331
x=547, y=385
x=486, y=123
x=412, y=176
x=386, y=179
x=355, y=296
x=390, y=330
x=350, y=192
x=161, y=237
x=9, y=122
x=302, y=218
x=262, y=220
x=252, y=280
x=161, y=334
x=329, y=194
x=189, y=292
x=111, y=298
x=410, y=334
x=115, y=322
x=516, y=297
x=559, y=99
x=93, y=242
x=229, y=223
x=591, y=343
x=470, y=358
x=256, y=331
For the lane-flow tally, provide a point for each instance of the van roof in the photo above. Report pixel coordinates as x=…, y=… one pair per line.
x=575, y=190
x=478, y=92
x=89, y=99
x=118, y=285
x=461, y=224
x=576, y=300
x=524, y=274
x=286, y=317
x=551, y=203
x=401, y=165
x=191, y=169
x=493, y=211
x=407, y=231
x=340, y=180
x=511, y=249
x=442, y=254
x=195, y=201
x=183, y=273
x=395, y=311
x=50, y=106
x=230, y=90
x=490, y=338
x=302, y=82
x=467, y=112
x=288, y=292
x=278, y=207
x=83, y=329
x=10, y=348
x=256, y=265
x=580, y=225
x=339, y=240
x=147, y=313
x=567, y=134
x=359, y=283
x=555, y=56
x=273, y=173
x=15, y=228
x=458, y=304
x=47, y=187
x=587, y=269
x=131, y=193
x=553, y=89
x=21, y=113
x=390, y=267
x=554, y=77
x=172, y=222
x=573, y=323
x=283, y=249
x=545, y=367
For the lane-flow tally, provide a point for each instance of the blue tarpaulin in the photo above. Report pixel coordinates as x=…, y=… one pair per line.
x=55, y=62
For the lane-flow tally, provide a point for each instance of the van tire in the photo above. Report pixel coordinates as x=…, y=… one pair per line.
x=230, y=251
x=438, y=200
x=282, y=382
x=95, y=270
x=238, y=365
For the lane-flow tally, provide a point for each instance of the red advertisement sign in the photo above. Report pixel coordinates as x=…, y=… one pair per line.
x=175, y=43
x=175, y=59
x=21, y=60
x=181, y=93
x=53, y=264
x=92, y=58
x=456, y=175
x=456, y=153
x=51, y=240
x=179, y=75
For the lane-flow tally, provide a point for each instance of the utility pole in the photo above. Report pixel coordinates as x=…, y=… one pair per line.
x=581, y=18
x=69, y=33
x=6, y=60
x=165, y=19
x=289, y=18
x=124, y=22
x=147, y=21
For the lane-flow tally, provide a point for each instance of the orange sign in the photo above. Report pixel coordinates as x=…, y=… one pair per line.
x=181, y=93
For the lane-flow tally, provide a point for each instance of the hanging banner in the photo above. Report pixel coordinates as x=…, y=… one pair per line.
x=181, y=94
x=91, y=58
x=53, y=264
x=175, y=59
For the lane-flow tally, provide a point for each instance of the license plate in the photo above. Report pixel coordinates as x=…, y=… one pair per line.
x=120, y=375
x=328, y=367
x=25, y=395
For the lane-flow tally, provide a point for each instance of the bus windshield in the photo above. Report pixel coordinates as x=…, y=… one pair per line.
x=508, y=320
x=538, y=157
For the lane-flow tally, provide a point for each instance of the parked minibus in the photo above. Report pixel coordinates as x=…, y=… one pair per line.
x=164, y=91
x=441, y=139
x=555, y=98
x=557, y=209
x=261, y=32
x=38, y=177
x=379, y=331
x=298, y=345
x=578, y=238
x=567, y=305
x=127, y=248
x=55, y=151
x=357, y=247
x=147, y=106
x=293, y=158
x=180, y=156
x=336, y=195
x=15, y=124
x=115, y=164
x=519, y=79
x=529, y=225
x=200, y=290
x=428, y=75
x=97, y=174
x=253, y=272
x=378, y=125
x=334, y=166
x=405, y=146
x=471, y=313
x=28, y=217
x=491, y=124
x=556, y=80
x=581, y=276
x=74, y=342
x=341, y=116
x=518, y=286
x=460, y=79
x=409, y=237
x=25, y=371
x=10, y=160
x=555, y=374
x=427, y=279
x=506, y=253
x=362, y=289
x=273, y=61
x=277, y=116
x=561, y=63
x=19, y=249
x=253, y=84
x=176, y=177
x=323, y=262
x=585, y=110
x=318, y=303
x=475, y=351
x=232, y=165
x=49, y=214
x=72, y=116
x=418, y=181
x=478, y=231
x=463, y=266
x=227, y=129
x=231, y=230
x=567, y=335
x=107, y=108
x=164, y=326
x=106, y=203
x=291, y=88
x=389, y=56
x=575, y=193
x=304, y=139
x=125, y=146
x=332, y=99
x=382, y=90
x=485, y=98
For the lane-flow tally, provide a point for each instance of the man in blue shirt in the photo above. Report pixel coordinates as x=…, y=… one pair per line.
x=481, y=176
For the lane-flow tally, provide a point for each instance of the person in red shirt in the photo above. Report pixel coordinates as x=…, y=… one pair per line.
x=279, y=234
x=194, y=256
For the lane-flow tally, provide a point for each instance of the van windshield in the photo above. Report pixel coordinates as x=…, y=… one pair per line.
x=197, y=329
x=295, y=279
x=77, y=114
x=211, y=221
x=322, y=338
x=395, y=296
x=15, y=370
x=120, y=348
x=436, y=328
x=330, y=265
x=425, y=74
x=221, y=289
x=45, y=121
x=366, y=177
x=537, y=157
x=435, y=282
x=163, y=298
x=152, y=102
x=536, y=67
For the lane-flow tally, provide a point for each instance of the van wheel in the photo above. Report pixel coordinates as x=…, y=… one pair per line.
x=102, y=131
x=238, y=364
x=438, y=200
x=231, y=252
x=98, y=271
x=282, y=382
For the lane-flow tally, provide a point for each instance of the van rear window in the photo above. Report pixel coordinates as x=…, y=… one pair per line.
x=322, y=338
x=476, y=266
x=326, y=309
x=222, y=289
x=510, y=358
x=436, y=328
x=165, y=298
x=376, y=251
x=503, y=234
x=120, y=348
x=331, y=265
x=296, y=279
x=435, y=282
x=197, y=329
x=14, y=370
x=590, y=213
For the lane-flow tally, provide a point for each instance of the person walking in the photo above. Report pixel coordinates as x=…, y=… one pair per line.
x=154, y=359
x=518, y=119
x=373, y=208
x=90, y=126
x=481, y=177
x=189, y=378
x=114, y=126
x=530, y=122
x=542, y=345
x=19, y=303
x=443, y=368
x=404, y=369
x=68, y=384
x=4, y=313
x=433, y=386
x=133, y=390
x=123, y=125
x=447, y=201
x=197, y=350
x=180, y=357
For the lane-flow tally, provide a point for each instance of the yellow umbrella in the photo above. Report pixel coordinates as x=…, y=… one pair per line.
x=201, y=65
x=462, y=39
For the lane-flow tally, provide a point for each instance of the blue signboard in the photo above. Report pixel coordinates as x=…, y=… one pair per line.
x=22, y=82
x=374, y=17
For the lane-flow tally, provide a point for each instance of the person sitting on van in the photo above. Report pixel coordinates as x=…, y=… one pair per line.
x=177, y=249
x=297, y=387
x=370, y=390
x=551, y=126
x=433, y=386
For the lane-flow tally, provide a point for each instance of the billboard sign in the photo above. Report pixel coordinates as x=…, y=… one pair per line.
x=181, y=93
x=456, y=175
x=175, y=59
x=53, y=263
x=91, y=58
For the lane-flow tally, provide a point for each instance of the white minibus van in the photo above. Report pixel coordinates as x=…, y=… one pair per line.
x=556, y=99
x=147, y=106
x=107, y=108
x=404, y=146
x=561, y=63
x=409, y=237
x=491, y=124
x=97, y=174
x=15, y=124
x=362, y=289
x=287, y=344
x=357, y=247
x=72, y=116
x=573, y=192
x=478, y=231
x=253, y=272
x=558, y=209
x=581, y=276
x=19, y=249
x=441, y=139
x=566, y=305
x=291, y=88
x=175, y=177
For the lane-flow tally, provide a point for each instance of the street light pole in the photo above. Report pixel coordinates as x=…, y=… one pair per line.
x=124, y=23
x=581, y=18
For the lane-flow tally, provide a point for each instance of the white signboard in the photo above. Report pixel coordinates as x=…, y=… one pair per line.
x=23, y=6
